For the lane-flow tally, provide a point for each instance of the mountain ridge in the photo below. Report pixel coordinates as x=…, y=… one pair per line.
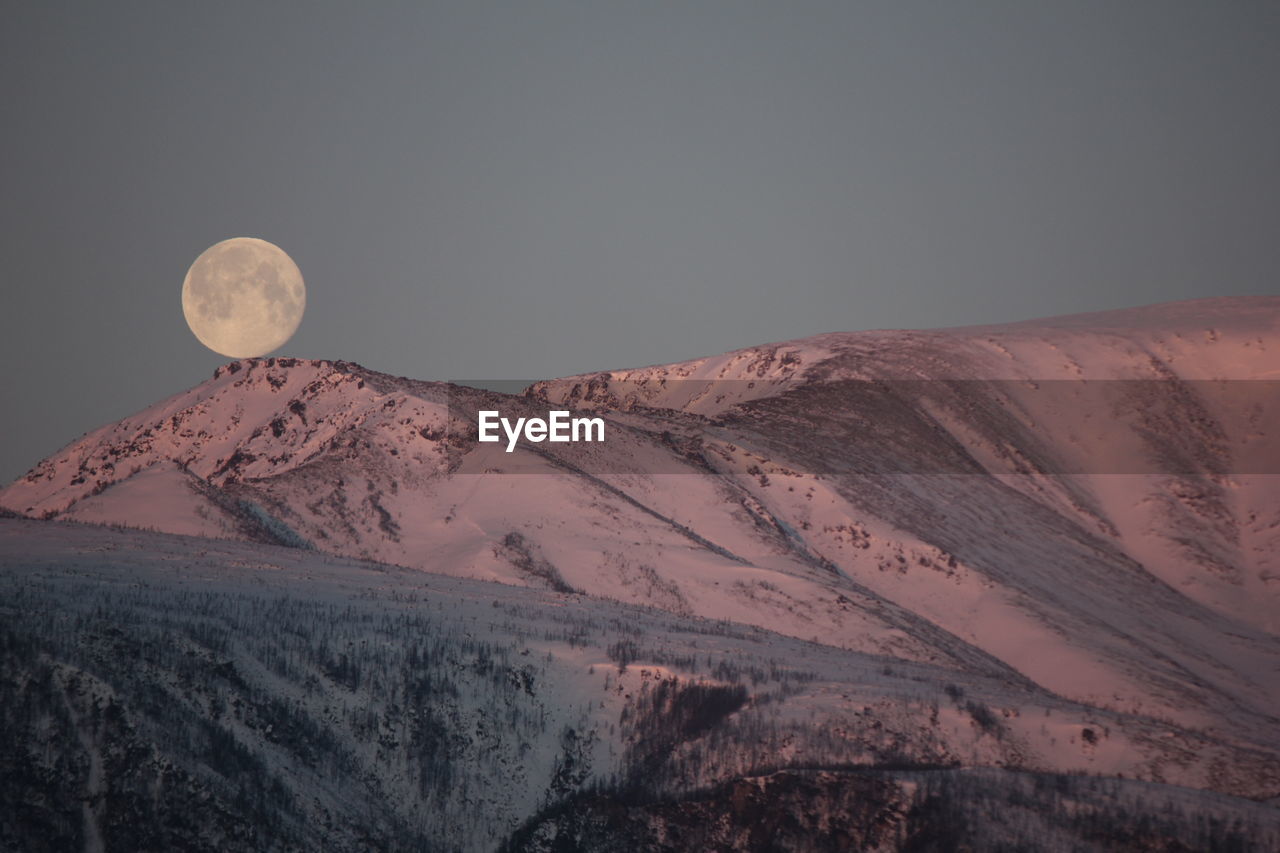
x=285, y=440
x=1059, y=519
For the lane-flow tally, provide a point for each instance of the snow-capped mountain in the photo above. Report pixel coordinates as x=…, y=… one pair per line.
x=1082, y=510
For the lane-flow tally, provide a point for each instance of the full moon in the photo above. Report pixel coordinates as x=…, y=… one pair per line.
x=243, y=297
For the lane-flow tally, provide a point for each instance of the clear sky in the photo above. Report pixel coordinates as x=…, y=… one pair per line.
x=531, y=189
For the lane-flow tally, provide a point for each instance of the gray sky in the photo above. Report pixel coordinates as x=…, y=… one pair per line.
x=531, y=189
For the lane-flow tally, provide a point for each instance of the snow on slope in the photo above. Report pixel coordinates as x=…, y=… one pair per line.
x=831, y=489
x=163, y=494
x=1209, y=529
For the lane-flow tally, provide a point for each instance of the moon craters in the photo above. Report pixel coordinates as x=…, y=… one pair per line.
x=243, y=297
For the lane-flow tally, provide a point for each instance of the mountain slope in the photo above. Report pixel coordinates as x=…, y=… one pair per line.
x=1080, y=505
